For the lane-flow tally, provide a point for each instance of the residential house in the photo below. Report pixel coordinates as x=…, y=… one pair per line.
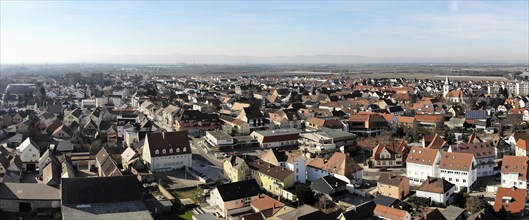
x=362, y=211
x=276, y=138
x=236, y=169
x=287, y=118
x=430, y=121
x=338, y=165
x=512, y=200
x=254, y=117
x=389, y=213
x=167, y=151
x=514, y=172
x=317, y=123
x=459, y=169
x=235, y=127
x=438, y=190
x=331, y=187
x=366, y=124
x=106, y=164
x=329, y=140
x=273, y=179
x=29, y=154
x=393, y=186
x=522, y=147
x=196, y=122
x=483, y=152
x=477, y=118
x=219, y=140
x=305, y=212
x=234, y=198
x=268, y=207
x=292, y=161
x=390, y=154
x=421, y=163
x=434, y=141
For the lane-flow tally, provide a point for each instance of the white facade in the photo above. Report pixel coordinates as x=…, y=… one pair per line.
x=299, y=167
x=511, y=180
x=29, y=153
x=160, y=162
x=460, y=178
x=314, y=173
x=417, y=173
x=439, y=198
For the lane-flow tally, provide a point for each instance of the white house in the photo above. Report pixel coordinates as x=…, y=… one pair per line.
x=421, y=163
x=514, y=172
x=484, y=153
x=339, y=165
x=276, y=138
x=292, y=161
x=459, y=169
x=167, y=151
x=219, y=139
x=297, y=164
x=29, y=154
x=438, y=190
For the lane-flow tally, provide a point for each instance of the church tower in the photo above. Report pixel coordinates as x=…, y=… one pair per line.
x=446, y=87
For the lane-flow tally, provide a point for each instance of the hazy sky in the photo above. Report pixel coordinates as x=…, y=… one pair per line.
x=66, y=31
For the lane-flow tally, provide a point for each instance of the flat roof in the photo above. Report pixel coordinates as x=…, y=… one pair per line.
x=278, y=132
x=29, y=191
x=220, y=135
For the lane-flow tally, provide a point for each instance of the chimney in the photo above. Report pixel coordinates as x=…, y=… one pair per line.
x=163, y=135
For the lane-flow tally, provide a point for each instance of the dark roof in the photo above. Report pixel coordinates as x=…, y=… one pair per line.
x=435, y=185
x=100, y=190
x=484, y=214
x=253, y=112
x=391, y=179
x=385, y=200
x=362, y=211
x=169, y=140
x=238, y=190
x=327, y=184
x=435, y=215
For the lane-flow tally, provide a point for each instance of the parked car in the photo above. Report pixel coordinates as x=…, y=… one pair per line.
x=383, y=169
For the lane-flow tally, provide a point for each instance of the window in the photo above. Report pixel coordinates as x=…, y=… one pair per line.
x=163, y=151
x=185, y=149
x=177, y=150
x=171, y=150
x=156, y=152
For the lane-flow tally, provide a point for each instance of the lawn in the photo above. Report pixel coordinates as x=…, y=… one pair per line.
x=186, y=216
x=195, y=194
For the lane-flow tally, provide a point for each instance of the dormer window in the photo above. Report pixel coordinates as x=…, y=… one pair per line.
x=163, y=151
x=171, y=150
x=185, y=149
x=177, y=150
x=156, y=152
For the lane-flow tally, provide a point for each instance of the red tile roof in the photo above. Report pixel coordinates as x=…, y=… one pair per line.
x=512, y=199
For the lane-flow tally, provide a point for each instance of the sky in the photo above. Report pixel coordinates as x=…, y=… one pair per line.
x=70, y=31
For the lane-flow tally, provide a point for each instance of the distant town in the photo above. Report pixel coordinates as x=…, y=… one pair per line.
x=264, y=141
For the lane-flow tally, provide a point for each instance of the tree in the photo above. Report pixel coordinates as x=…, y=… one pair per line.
x=460, y=199
x=419, y=202
x=502, y=213
x=475, y=203
x=305, y=194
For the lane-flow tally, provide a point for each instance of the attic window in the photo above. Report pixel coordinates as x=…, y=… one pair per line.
x=156, y=152
x=177, y=150
x=185, y=149
x=171, y=150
